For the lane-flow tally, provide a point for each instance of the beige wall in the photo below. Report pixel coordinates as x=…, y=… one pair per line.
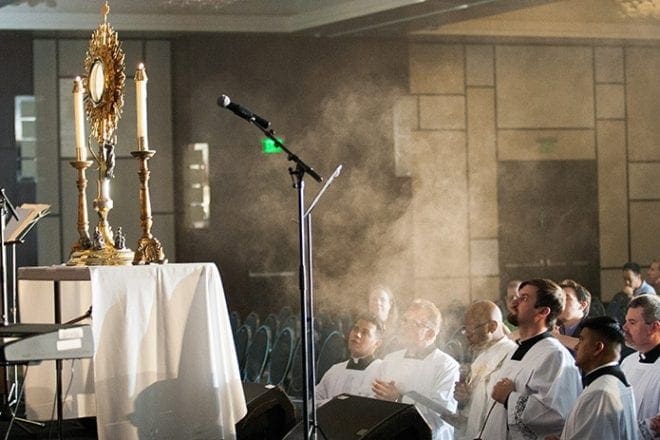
x=480, y=103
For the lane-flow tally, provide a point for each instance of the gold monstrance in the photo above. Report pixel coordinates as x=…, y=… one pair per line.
x=104, y=100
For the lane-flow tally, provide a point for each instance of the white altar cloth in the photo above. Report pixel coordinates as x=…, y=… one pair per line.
x=165, y=364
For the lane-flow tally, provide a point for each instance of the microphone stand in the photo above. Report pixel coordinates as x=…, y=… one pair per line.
x=306, y=297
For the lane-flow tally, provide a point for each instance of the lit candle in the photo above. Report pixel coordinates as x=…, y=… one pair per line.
x=79, y=119
x=141, y=108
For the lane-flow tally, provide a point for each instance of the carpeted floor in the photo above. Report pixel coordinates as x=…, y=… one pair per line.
x=78, y=429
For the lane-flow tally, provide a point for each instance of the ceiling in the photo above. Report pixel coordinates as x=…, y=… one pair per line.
x=335, y=18
x=316, y=17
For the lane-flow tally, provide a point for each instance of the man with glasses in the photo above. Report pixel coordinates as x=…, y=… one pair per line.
x=484, y=332
x=355, y=375
x=642, y=332
x=539, y=383
x=420, y=372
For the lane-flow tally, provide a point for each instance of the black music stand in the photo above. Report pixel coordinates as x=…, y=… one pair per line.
x=20, y=223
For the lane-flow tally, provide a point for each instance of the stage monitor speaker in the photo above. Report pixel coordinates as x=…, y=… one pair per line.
x=270, y=413
x=348, y=417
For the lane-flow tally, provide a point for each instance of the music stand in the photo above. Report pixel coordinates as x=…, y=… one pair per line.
x=20, y=223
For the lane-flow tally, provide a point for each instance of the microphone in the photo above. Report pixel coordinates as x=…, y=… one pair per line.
x=240, y=111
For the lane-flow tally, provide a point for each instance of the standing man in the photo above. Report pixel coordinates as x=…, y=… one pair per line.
x=484, y=331
x=633, y=284
x=504, y=303
x=642, y=331
x=577, y=300
x=420, y=373
x=653, y=275
x=539, y=384
x=355, y=375
x=606, y=408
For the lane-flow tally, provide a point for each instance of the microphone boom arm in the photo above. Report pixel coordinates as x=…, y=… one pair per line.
x=291, y=156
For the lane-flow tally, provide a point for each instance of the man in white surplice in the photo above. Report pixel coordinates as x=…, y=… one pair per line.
x=642, y=330
x=539, y=384
x=606, y=408
x=420, y=371
x=484, y=332
x=355, y=375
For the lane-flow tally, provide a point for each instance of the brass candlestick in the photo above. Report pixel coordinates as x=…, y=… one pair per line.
x=80, y=249
x=149, y=249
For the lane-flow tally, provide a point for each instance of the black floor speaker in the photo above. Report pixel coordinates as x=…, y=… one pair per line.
x=349, y=417
x=270, y=413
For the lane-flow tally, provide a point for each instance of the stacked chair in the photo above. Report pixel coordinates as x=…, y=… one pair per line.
x=268, y=351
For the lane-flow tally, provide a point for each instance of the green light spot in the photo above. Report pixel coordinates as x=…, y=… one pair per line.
x=268, y=146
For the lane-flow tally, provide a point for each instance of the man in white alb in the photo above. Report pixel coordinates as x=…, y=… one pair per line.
x=355, y=375
x=642, y=330
x=606, y=408
x=484, y=332
x=420, y=372
x=539, y=384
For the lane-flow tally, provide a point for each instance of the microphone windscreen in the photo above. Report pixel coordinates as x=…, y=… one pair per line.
x=224, y=101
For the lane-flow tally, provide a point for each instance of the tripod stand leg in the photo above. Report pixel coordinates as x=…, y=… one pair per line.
x=14, y=418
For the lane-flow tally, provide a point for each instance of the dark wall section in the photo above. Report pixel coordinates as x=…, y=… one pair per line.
x=331, y=101
x=15, y=79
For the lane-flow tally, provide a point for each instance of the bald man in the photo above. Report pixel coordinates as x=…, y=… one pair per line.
x=484, y=331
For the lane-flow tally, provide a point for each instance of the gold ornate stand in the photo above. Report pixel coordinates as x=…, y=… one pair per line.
x=149, y=249
x=106, y=249
x=80, y=250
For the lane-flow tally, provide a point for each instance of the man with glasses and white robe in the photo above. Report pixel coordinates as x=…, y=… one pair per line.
x=485, y=333
x=420, y=374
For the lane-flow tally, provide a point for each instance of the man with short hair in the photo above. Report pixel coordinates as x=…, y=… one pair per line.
x=633, y=284
x=577, y=300
x=653, y=275
x=420, y=373
x=484, y=332
x=355, y=375
x=504, y=303
x=539, y=384
x=642, y=332
x=606, y=408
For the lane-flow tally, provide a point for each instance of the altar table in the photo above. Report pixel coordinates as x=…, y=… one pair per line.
x=165, y=364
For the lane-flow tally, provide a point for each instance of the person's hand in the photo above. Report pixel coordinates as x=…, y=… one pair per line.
x=386, y=390
x=502, y=389
x=628, y=290
x=462, y=393
x=655, y=425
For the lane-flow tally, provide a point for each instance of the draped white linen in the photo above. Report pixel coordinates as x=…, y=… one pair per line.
x=165, y=364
